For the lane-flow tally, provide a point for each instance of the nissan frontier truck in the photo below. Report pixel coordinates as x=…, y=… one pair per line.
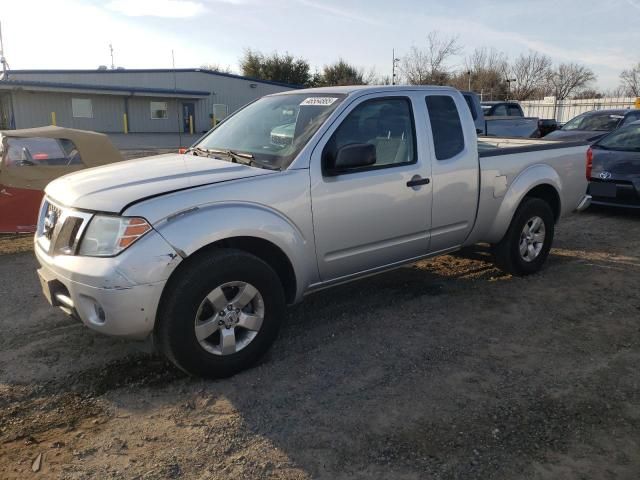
x=203, y=251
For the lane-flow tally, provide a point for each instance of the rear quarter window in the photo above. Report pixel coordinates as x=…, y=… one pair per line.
x=40, y=151
x=446, y=127
x=472, y=107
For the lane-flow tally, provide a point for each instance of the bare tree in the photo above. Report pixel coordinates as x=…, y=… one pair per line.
x=429, y=65
x=631, y=81
x=485, y=71
x=568, y=78
x=530, y=73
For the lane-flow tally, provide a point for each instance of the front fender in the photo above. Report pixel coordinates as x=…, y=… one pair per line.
x=193, y=229
x=526, y=181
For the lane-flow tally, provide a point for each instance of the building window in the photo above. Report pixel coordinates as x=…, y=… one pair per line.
x=159, y=110
x=81, y=108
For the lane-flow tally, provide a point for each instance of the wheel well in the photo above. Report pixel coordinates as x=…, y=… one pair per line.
x=550, y=195
x=265, y=251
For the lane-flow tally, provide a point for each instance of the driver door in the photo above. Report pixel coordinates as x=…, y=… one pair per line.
x=379, y=215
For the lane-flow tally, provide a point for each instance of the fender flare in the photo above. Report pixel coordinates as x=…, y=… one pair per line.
x=196, y=228
x=527, y=180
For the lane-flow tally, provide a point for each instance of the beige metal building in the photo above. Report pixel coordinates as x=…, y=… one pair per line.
x=142, y=101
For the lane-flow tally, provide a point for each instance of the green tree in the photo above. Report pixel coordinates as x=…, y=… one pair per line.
x=275, y=67
x=342, y=73
x=215, y=67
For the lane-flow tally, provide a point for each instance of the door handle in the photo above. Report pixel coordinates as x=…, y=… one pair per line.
x=417, y=180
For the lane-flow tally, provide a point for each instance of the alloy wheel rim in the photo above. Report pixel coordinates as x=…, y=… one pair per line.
x=532, y=239
x=229, y=318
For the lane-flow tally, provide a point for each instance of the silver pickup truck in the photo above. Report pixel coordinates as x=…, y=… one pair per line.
x=202, y=251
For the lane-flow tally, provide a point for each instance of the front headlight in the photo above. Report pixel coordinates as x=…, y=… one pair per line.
x=109, y=235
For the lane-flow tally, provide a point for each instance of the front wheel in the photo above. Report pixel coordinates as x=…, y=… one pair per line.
x=526, y=245
x=221, y=314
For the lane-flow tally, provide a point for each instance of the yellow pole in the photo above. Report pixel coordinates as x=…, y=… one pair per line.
x=53, y=118
x=126, y=123
x=191, y=124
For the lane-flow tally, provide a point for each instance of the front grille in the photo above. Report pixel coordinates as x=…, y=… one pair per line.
x=51, y=217
x=68, y=236
x=60, y=229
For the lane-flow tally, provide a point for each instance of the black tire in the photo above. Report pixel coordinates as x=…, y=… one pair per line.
x=507, y=252
x=174, y=333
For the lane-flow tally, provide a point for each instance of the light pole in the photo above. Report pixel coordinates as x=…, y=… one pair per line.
x=469, y=74
x=509, y=80
x=393, y=69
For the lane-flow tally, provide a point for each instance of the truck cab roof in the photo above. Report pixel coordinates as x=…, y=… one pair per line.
x=363, y=89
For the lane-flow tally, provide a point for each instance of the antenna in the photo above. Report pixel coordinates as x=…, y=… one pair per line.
x=3, y=61
x=113, y=67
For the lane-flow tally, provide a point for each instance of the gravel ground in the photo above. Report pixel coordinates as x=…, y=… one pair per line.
x=447, y=369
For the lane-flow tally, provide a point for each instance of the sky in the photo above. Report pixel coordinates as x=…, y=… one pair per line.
x=604, y=35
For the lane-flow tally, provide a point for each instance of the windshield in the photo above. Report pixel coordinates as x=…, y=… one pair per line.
x=625, y=139
x=594, y=122
x=272, y=130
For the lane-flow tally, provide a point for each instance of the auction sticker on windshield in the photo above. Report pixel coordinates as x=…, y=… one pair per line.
x=322, y=101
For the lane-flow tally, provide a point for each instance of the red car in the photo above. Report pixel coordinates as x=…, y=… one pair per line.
x=33, y=157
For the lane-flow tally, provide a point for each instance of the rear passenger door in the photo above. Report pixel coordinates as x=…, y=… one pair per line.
x=455, y=170
x=374, y=216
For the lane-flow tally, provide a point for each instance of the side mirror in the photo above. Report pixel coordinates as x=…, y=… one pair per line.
x=354, y=155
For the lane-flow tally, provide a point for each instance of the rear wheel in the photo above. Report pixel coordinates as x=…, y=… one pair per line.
x=220, y=314
x=526, y=245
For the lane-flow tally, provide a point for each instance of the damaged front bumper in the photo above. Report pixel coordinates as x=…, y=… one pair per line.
x=113, y=295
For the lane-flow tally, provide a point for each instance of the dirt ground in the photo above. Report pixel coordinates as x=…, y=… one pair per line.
x=446, y=369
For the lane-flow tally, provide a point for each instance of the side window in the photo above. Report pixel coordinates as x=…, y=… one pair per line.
x=631, y=117
x=500, y=111
x=40, y=151
x=514, y=111
x=385, y=123
x=448, y=137
x=472, y=107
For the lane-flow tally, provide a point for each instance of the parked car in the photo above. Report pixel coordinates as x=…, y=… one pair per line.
x=31, y=158
x=613, y=168
x=592, y=125
x=502, y=109
x=203, y=250
x=505, y=119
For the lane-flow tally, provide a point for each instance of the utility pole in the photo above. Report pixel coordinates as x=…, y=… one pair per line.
x=395, y=64
x=3, y=60
x=113, y=67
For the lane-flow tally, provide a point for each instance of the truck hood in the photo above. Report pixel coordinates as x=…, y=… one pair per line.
x=112, y=187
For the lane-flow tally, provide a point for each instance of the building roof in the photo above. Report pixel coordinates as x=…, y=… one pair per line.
x=104, y=89
x=158, y=70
